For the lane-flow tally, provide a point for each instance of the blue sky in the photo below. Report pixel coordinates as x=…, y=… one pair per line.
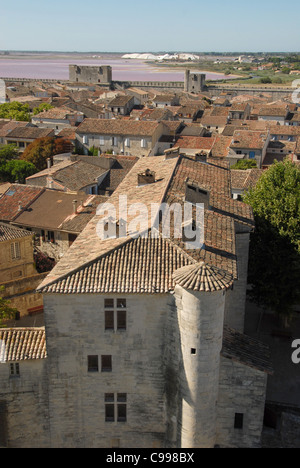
x=156, y=25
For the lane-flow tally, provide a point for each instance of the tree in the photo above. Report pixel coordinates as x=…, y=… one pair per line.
x=244, y=164
x=266, y=80
x=274, y=266
x=16, y=171
x=42, y=107
x=41, y=149
x=15, y=111
x=6, y=311
x=8, y=152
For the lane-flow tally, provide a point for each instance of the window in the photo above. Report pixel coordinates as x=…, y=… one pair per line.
x=101, y=141
x=238, y=420
x=93, y=365
x=106, y=363
x=14, y=369
x=15, y=251
x=85, y=139
x=127, y=142
x=115, y=407
x=143, y=143
x=114, y=141
x=115, y=314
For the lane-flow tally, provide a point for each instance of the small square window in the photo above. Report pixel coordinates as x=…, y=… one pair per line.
x=93, y=365
x=193, y=350
x=121, y=303
x=238, y=420
x=108, y=303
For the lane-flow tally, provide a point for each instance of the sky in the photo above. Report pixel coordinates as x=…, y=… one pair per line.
x=150, y=26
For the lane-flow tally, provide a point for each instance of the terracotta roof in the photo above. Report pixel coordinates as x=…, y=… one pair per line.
x=289, y=130
x=249, y=139
x=245, y=179
x=30, y=133
x=17, y=197
x=117, y=127
x=120, y=101
x=51, y=209
x=138, y=266
x=246, y=350
x=221, y=146
x=57, y=113
x=271, y=111
x=8, y=232
x=22, y=344
x=10, y=126
x=202, y=277
x=194, y=142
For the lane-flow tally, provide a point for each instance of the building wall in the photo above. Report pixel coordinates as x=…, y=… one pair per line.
x=88, y=74
x=242, y=389
x=15, y=268
x=75, y=329
x=24, y=399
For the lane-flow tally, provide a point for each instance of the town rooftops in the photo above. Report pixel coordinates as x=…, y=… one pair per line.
x=23, y=344
x=245, y=179
x=117, y=127
x=194, y=142
x=147, y=264
x=272, y=111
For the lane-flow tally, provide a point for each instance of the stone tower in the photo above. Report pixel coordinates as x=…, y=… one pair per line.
x=200, y=303
x=194, y=82
x=87, y=74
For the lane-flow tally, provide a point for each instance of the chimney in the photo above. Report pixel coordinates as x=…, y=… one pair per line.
x=147, y=177
x=195, y=194
x=20, y=206
x=49, y=163
x=75, y=206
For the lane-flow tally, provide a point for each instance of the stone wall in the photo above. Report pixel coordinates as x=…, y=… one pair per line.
x=75, y=330
x=21, y=293
x=25, y=408
x=242, y=390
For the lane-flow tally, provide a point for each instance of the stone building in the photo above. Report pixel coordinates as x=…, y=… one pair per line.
x=144, y=334
x=87, y=74
x=194, y=82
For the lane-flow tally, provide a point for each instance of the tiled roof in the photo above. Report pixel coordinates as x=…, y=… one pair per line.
x=246, y=350
x=57, y=113
x=51, y=210
x=194, y=142
x=220, y=148
x=202, y=277
x=138, y=266
x=245, y=179
x=10, y=126
x=271, y=111
x=117, y=127
x=120, y=101
x=16, y=199
x=249, y=139
x=30, y=133
x=22, y=344
x=8, y=232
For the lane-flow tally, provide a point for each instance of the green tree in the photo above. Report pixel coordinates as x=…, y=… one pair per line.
x=6, y=311
x=244, y=164
x=274, y=266
x=15, y=111
x=42, y=107
x=8, y=152
x=16, y=170
x=266, y=80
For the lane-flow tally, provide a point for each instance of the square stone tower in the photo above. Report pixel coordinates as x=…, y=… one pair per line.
x=93, y=74
x=194, y=82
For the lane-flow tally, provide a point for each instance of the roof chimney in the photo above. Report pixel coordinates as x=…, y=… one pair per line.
x=147, y=177
x=49, y=163
x=75, y=206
